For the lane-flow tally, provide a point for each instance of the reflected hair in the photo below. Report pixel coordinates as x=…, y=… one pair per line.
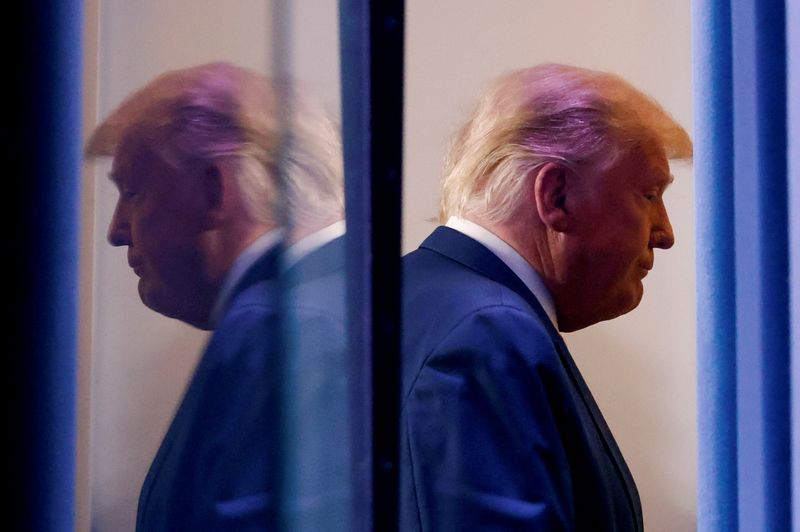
x=285, y=149
x=548, y=113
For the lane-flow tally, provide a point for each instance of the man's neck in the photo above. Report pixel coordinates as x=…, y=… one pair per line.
x=512, y=257
x=237, y=268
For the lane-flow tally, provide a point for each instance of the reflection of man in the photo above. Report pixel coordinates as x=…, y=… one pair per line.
x=197, y=155
x=552, y=198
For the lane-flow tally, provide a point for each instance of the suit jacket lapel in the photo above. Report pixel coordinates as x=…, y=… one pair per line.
x=470, y=253
x=263, y=269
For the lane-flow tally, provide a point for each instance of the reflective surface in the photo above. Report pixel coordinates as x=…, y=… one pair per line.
x=266, y=415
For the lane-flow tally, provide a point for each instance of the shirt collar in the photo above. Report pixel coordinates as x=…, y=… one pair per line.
x=522, y=268
x=312, y=242
x=243, y=262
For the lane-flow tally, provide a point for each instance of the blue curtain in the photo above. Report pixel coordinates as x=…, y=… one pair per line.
x=41, y=139
x=743, y=264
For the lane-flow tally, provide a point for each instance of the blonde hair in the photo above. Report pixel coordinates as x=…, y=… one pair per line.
x=542, y=114
x=268, y=128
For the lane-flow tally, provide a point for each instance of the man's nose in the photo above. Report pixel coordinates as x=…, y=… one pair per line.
x=119, y=233
x=661, y=235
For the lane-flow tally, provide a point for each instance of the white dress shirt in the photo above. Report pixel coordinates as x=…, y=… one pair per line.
x=312, y=242
x=511, y=258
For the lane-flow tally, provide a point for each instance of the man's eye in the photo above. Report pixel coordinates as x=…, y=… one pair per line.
x=651, y=197
x=129, y=194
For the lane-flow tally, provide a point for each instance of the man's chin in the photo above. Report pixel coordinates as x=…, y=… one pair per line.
x=169, y=305
x=633, y=300
x=156, y=301
x=626, y=302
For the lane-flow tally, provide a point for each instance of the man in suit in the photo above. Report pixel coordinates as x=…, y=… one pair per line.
x=230, y=206
x=552, y=208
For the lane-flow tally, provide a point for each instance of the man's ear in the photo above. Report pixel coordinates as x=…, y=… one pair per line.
x=217, y=189
x=551, y=186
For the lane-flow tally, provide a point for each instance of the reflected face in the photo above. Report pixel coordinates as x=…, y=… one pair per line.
x=159, y=217
x=620, y=220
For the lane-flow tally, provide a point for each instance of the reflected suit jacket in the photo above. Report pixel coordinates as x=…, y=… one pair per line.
x=238, y=430
x=499, y=430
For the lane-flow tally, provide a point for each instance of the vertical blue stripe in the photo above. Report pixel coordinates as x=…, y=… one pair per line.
x=49, y=142
x=747, y=270
x=355, y=53
x=772, y=226
x=761, y=265
x=793, y=207
x=60, y=280
x=716, y=290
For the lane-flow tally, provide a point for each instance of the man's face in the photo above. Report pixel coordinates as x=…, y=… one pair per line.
x=620, y=219
x=159, y=217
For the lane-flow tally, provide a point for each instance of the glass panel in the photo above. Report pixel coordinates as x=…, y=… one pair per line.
x=240, y=406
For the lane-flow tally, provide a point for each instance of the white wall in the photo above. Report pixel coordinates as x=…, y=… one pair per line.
x=640, y=367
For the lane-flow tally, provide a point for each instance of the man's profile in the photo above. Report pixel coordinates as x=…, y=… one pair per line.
x=552, y=207
x=226, y=203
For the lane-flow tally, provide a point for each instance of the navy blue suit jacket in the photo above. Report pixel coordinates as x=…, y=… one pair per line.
x=228, y=446
x=499, y=430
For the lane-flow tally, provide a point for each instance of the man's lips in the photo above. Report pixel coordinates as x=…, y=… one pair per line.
x=645, y=269
x=136, y=266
